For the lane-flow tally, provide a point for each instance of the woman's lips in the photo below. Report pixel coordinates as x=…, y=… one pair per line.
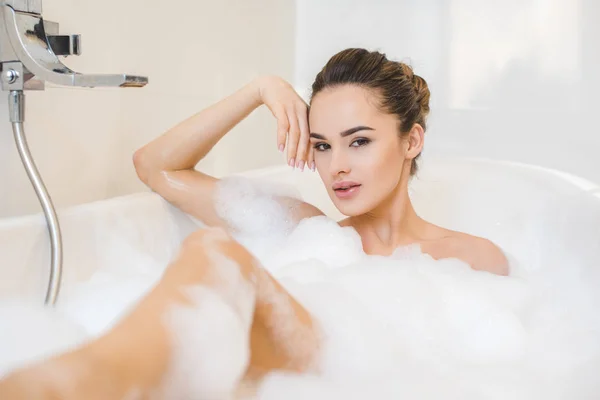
x=346, y=193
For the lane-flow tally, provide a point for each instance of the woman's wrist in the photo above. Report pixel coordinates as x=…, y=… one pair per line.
x=256, y=88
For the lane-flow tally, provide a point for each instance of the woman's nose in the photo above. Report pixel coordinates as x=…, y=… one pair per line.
x=339, y=163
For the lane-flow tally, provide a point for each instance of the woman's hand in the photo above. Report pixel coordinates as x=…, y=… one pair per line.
x=291, y=113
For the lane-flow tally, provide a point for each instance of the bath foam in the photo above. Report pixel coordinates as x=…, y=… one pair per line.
x=128, y=273
x=102, y=301
x=262, y=215
x=32, y=332
x=505, y=337
x=408, y=326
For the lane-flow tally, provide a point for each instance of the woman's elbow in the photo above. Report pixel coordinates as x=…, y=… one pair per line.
x=141, y=165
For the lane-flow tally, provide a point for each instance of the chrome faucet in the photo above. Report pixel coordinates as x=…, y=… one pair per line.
x=29, y=51
x=34, y=43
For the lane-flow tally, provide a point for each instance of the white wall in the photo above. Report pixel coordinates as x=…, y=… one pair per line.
x=516, y=79
x=194, y=53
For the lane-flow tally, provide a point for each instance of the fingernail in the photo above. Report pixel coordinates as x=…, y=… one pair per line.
x=301, y=165
x=280, y=147
x=292, y=162
x=312, y=166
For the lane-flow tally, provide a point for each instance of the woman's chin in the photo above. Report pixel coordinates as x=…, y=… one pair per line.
x=350, y=208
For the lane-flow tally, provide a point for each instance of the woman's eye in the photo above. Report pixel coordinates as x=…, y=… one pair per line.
x=360, y=142
x=321, y=146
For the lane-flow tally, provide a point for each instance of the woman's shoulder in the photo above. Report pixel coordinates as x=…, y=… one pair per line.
x=480, y=253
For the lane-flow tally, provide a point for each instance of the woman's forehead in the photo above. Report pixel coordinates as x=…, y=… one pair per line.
x=340, y=108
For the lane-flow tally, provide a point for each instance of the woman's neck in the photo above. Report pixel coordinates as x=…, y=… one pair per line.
x=393, y=223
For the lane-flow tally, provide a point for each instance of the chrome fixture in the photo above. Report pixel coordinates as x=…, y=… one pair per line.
x=29, y=50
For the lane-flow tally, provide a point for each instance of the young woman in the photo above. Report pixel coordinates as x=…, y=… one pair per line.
x=363, y=132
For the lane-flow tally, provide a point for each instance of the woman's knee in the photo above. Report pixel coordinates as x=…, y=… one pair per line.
x=214, y=249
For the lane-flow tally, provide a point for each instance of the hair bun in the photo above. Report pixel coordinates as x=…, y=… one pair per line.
x=422, y=92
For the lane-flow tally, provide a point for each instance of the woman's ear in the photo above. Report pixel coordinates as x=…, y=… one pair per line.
x=415, y=140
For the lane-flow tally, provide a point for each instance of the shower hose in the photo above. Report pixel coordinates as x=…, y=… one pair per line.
x=16, y=104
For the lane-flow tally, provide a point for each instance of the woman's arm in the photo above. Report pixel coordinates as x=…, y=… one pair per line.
x=167, y=163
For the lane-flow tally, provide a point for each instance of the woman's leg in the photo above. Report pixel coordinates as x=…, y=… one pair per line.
x=183, y=334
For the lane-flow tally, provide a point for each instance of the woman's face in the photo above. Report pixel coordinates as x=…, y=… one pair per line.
x=358, y=151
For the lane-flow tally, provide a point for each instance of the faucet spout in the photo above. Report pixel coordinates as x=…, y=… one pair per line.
x=25, y=39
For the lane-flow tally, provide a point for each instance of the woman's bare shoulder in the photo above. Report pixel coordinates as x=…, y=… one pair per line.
x=480, y=253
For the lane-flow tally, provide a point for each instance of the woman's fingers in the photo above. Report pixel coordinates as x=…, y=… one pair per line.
x=302, y=153
x=293, y=137
x=283, y=127
x=292, y=124
x=311, y=158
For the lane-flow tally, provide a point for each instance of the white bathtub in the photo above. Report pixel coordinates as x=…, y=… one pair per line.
x=116, y=249
x=498, y=200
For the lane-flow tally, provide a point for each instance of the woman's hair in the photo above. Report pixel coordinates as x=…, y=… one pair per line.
x=399, y=90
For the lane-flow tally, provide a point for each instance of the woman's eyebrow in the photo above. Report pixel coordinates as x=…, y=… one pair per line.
x=345, y=133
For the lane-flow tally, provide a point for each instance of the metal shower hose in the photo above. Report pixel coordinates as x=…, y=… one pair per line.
x=16, y=104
